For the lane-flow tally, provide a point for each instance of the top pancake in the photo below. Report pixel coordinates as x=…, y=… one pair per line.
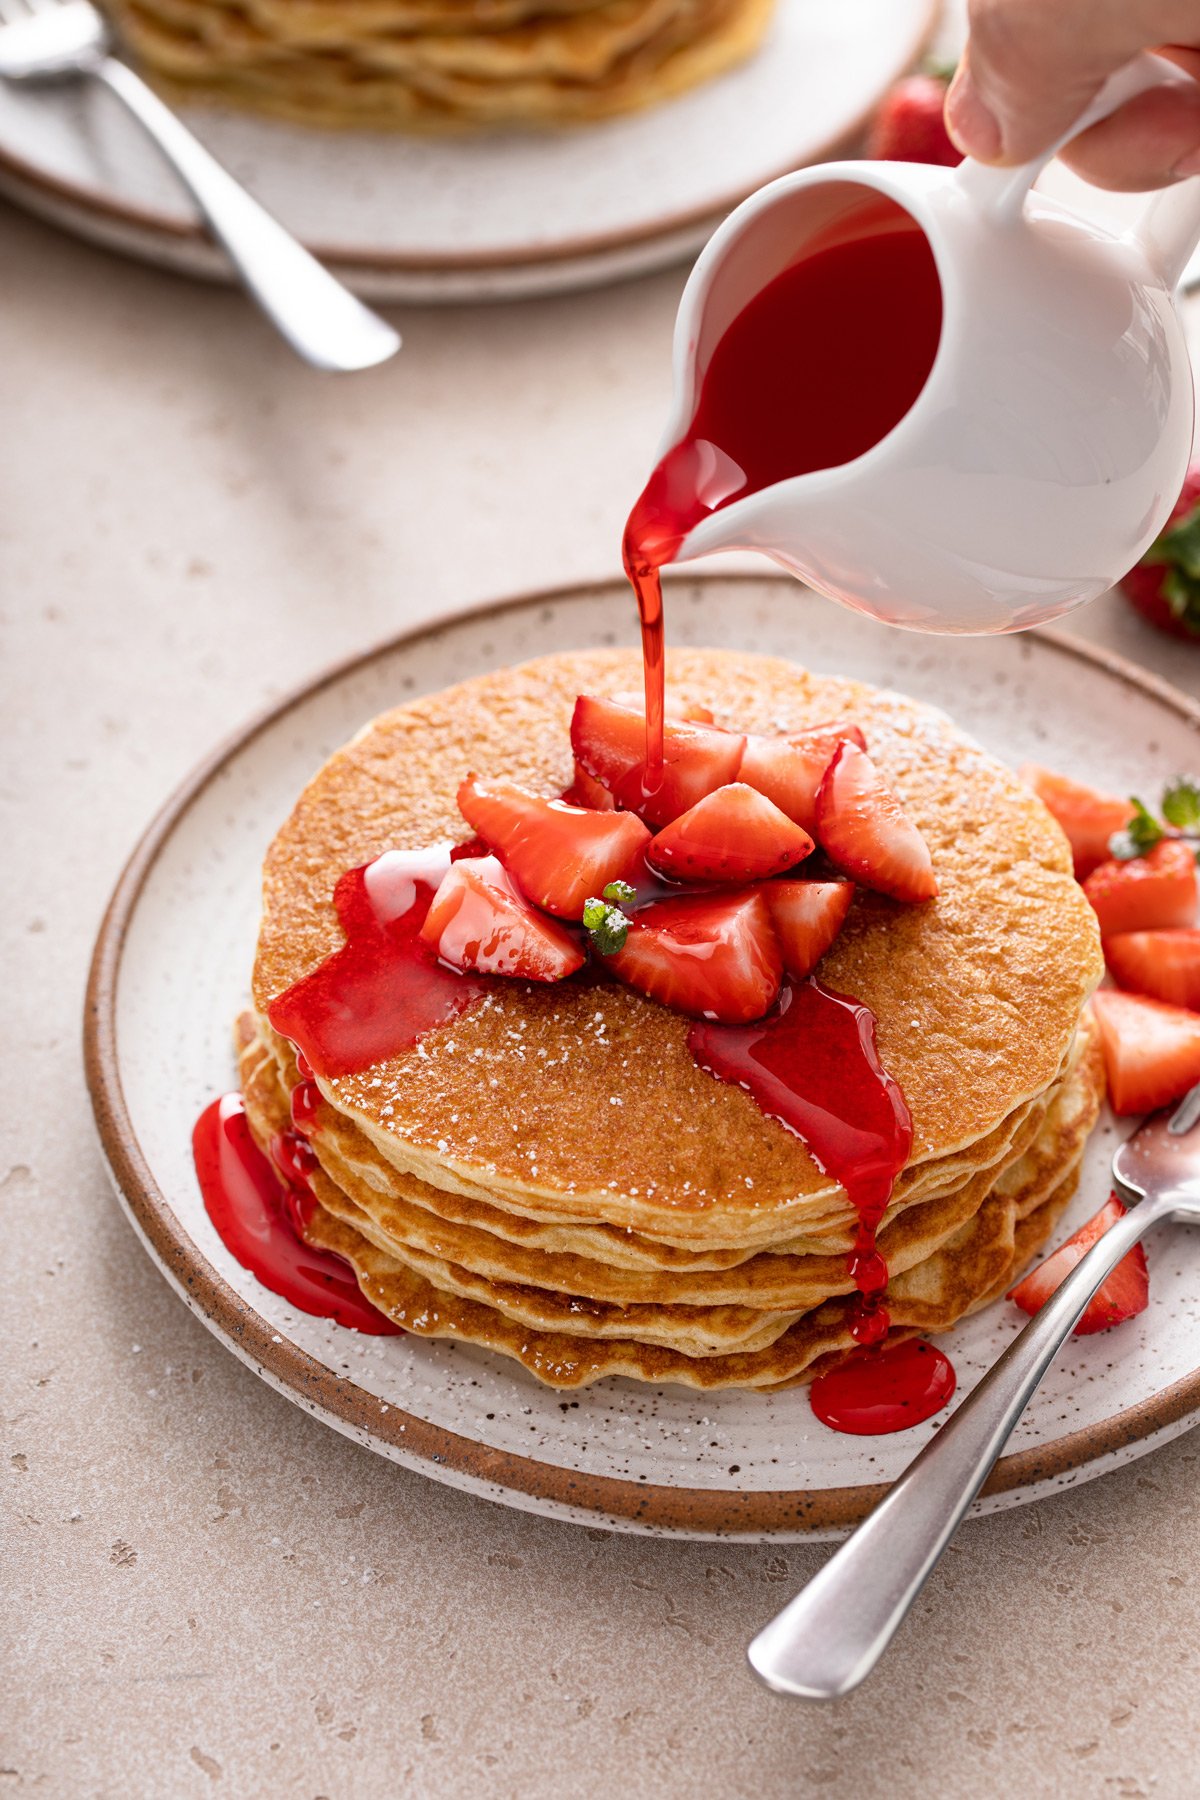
x=583, y=1098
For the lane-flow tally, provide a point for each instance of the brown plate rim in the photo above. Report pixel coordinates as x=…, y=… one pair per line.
x=710, y=1511
x=698, y=219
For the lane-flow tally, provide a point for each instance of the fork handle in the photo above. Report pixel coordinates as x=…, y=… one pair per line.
x=832, y=1634
x=319, y=318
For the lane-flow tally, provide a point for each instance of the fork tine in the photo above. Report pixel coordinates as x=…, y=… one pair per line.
x=1186, y=1114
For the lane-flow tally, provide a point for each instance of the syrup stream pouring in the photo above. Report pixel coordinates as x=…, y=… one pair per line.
x=833, y=1633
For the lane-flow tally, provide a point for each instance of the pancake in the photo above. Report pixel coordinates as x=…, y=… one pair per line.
x=358, y=65
x=976, y=1267
x=705, y=1319
x=551, y=1175
x=786, y=1276
x=582, y=1102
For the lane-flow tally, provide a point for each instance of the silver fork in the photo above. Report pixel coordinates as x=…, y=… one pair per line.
x=65, y=40
x=833, y=1633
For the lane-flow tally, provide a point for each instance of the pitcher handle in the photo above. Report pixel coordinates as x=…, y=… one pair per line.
x=1169, y=227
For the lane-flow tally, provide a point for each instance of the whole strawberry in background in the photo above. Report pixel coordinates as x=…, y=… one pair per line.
x=1165, y=586
x=910, y=126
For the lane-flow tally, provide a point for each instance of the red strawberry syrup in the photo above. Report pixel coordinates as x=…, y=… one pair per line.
x=256, y=1212
x=812, y=1064
x=878, y=1391
x=820, y=365
x=384, y=989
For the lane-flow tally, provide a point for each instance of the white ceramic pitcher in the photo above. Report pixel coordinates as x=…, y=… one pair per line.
x=1051, y=438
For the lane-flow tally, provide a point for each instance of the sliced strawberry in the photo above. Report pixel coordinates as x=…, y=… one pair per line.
x=672, y=708
x=807, y=916
x=559, y=855
x=610, y=743
x=1088, y=816
x=789, y=769
x=1163, y=964
x=1151, y=1051
x=1122, y=1295
x=734, y=834
x=478, y=920
x=583, y=791
x=864, y=829
x=716, y=958
x=1147, y=893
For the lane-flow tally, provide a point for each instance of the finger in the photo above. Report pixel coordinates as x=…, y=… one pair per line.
x=1146, y=144
x=1032, y=68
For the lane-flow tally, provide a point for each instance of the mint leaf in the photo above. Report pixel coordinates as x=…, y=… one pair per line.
x=1181, y=803
x=621, y=892
x=607, y=925
x=1139, y=836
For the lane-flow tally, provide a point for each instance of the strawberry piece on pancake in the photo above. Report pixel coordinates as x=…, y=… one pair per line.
x=478, y=920
x=807, y=916
x=715, y=958
x=733, y=834
x=789, y=769
x=864, y=829
x=557, y=854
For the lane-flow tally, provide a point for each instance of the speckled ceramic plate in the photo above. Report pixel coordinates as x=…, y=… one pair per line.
x=172, y=966
x=487, y=217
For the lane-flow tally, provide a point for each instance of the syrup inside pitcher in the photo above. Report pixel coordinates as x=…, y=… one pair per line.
x=819, y=365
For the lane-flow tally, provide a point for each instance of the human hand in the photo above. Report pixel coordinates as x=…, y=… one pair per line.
x=1032, y=67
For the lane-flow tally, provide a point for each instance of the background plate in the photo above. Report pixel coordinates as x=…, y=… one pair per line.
x=171, y=970
x=483, y=217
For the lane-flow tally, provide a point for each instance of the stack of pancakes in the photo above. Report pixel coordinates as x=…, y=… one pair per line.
x=430, y=64
x=552, y=1176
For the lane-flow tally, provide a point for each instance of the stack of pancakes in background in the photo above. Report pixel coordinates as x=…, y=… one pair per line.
x=551, y=1176
x=438, y=64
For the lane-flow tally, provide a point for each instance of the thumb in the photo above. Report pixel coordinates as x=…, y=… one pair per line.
x=1032, y=68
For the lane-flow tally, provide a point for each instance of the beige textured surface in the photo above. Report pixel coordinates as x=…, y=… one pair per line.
x=207, y=1593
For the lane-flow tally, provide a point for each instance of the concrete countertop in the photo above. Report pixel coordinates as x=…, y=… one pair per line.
x=206, y=1591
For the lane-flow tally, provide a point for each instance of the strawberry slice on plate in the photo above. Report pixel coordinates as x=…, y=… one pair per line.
x=609, y=741
x=734, y=834
x=1088, y=816
x=1151, y=1050
x=807, y=916
x=1147, y=893
x=1163, y=964
x=478, y=920
x=558, y=854
x=716, y=958
x=864, y=829
x=1123, y=1294
x=789, y=769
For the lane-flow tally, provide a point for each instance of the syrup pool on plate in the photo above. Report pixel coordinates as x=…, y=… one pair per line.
x=251, y=1206
x=819, y=366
